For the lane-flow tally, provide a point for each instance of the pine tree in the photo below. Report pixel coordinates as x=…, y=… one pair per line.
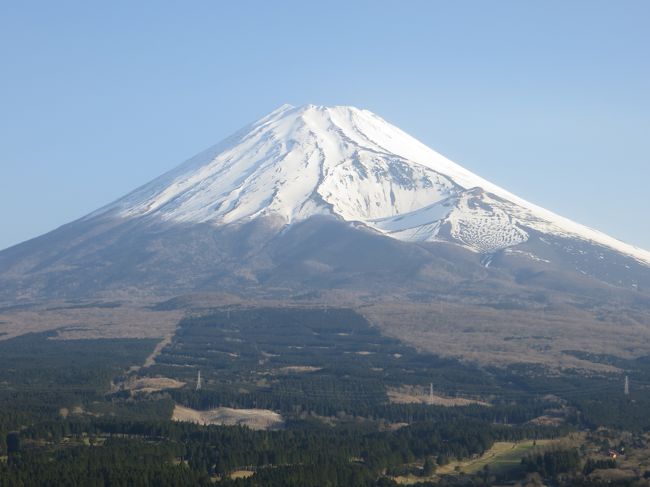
x=428, y=467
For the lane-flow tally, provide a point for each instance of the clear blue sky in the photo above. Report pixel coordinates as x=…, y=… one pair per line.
x=549, y=99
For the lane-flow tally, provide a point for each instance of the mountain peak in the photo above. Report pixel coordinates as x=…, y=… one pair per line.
x=298, y=162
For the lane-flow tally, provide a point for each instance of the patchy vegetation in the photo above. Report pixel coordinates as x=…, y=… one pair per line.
x=420, y=395
x=296, y=404
x=256, y=419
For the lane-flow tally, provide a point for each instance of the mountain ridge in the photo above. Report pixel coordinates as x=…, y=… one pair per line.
x=305, y=207
x=313, y=200
x=298, y=162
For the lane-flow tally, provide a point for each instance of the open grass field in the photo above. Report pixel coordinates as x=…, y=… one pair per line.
x=503, y=455
x=421, y=395
x=241, y=474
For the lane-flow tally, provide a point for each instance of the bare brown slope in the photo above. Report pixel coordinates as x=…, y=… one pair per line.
x=437, y=296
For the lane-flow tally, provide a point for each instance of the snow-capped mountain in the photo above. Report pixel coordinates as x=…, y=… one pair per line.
x=322, y=198
x=313, y=160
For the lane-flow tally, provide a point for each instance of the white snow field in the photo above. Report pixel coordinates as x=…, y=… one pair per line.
x=349, y=163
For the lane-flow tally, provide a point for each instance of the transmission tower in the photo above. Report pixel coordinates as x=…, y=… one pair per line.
x=627, y=386
x=198, y=381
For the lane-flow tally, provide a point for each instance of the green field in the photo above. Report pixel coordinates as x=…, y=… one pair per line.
x=503, y=455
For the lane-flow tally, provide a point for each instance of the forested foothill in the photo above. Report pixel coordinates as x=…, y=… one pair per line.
x=70, y=414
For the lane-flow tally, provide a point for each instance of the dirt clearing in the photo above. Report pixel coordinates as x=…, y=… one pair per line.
x=420, y=395
x=257, y=419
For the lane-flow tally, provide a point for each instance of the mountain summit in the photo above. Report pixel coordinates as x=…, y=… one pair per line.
x=320, y=198
x=349, y=163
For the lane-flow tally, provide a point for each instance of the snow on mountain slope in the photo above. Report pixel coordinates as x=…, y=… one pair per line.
x=299, y=162
x=475, y=219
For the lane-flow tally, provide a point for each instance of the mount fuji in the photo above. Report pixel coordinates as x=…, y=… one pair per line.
x=315, y=199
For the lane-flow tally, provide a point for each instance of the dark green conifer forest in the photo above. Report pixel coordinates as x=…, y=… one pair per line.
x=69, y=418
